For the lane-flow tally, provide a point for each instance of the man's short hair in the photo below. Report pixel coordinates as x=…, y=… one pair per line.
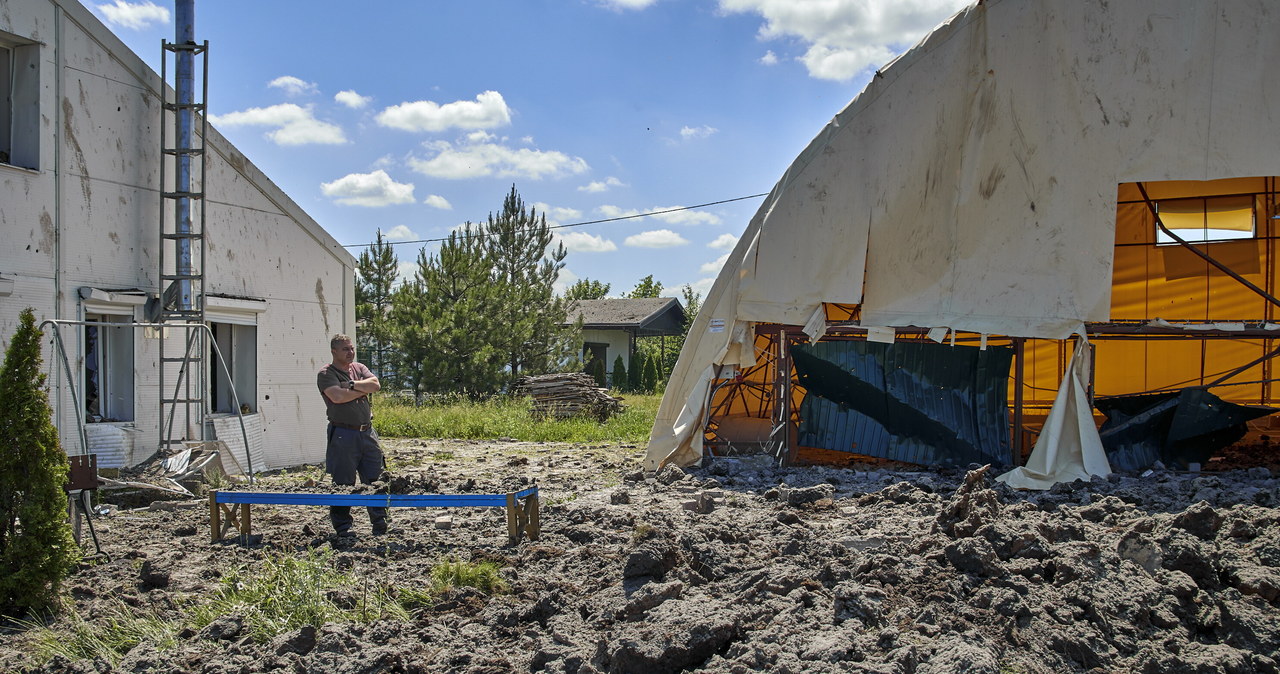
x=338, y=339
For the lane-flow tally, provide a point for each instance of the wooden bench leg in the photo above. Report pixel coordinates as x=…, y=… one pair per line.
x=513, y=519
x=215, y=519
x=532, y=525
x=226, y=516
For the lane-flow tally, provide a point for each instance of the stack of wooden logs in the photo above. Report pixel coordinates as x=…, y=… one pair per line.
x=568, y=395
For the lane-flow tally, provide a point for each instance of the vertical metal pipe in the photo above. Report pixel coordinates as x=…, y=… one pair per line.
x=184, y=87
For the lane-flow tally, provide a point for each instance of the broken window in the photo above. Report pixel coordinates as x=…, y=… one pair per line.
x=238, y=345
x=1203, y=219
x=19, y=102
x=108, y=369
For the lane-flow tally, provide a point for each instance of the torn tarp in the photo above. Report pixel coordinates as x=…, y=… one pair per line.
x=1176, y=428
x=917, y=402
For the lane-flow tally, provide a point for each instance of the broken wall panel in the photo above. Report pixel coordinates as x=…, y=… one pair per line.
x=916, y=402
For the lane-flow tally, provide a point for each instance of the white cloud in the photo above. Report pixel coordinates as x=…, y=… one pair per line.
x=406, y=271
x=368, y=189
x=293, y=86
x=714, y=266
x=556, y=214
x=623, y=5
x=725, y=241
x=134, y=15
x=582, y=242
x=480, y=159
x=703, y=286
x=400, y=233
x=691, y=133
x=673, y=217
x=564, y=281
x=769, y=58
x=351, y=99
x=601, y=185
x=658, y=238
x=437, y=201
x=295, y=125
x=847, y=37
x=488, y=111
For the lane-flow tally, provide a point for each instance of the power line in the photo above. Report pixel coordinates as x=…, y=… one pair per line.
x=580, y=224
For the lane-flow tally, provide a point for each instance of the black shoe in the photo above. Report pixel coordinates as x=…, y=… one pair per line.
x=380, y=529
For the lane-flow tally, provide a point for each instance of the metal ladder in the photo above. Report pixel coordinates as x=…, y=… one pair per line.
x=184, y=397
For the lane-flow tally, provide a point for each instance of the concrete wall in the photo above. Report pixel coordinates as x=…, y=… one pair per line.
x=89, y=217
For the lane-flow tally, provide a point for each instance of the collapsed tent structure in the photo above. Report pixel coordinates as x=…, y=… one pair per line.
x=1031, y=175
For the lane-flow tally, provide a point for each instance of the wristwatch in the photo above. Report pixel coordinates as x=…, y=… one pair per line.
x=351, y=384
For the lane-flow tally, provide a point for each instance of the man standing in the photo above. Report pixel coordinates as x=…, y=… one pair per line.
x=353, y=447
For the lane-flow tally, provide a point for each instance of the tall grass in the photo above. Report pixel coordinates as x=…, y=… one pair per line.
x=509, y=418
x=287, y=592
x=283, y=592
x=116, y=631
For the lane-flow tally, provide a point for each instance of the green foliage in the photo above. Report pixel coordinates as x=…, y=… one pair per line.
x=647, y=287
x=375, y=286
x=36, y=546
x=444, y=318
x=586, y=289
x=502, y=417
x=287, y=592
x=596, y=368
x=533, y=337
x=649, y=378
x=619, y=372
x=116, y=629
x=481, y=310
x=482, y=576
x=635, y=376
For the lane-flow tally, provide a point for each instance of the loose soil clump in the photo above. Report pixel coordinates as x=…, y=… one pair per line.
x=735, y=566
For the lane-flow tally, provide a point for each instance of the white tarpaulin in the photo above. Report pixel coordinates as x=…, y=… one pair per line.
x=1068, y=447
x=972, y=184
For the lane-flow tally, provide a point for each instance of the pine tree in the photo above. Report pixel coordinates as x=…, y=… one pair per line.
x=534, y=337
x=375, y=286
x=619, y=373
x=35, y=555
x=446, y=318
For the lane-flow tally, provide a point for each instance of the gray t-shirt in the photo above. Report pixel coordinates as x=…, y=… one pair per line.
x=358, y=412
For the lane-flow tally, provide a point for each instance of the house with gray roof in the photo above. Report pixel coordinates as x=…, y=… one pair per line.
x=610, y=327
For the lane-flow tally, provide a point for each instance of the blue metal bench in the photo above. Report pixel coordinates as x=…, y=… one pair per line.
x=522, y=518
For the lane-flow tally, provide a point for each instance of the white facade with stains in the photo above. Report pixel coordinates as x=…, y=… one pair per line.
x=79, y=219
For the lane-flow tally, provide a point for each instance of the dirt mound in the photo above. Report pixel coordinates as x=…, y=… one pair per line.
x=738, y=567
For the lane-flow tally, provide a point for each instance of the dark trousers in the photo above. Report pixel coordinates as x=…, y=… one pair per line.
x=351, y=453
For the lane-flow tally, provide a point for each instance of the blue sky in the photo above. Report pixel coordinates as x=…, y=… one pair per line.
x=413, y=117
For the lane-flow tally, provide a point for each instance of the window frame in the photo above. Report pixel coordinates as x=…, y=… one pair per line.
x=1222, y=235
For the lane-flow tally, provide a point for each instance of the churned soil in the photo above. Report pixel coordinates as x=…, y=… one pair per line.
x=735, y=566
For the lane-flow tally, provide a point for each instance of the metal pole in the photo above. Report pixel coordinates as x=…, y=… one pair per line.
x=185, y=34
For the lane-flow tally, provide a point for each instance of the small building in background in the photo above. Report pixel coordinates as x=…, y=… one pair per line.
x=610, y=327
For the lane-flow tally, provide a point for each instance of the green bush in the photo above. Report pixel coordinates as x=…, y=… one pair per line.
x=635, y=374
x=597, y=373
x=619, y=373
x=36, y=546
x=649, y=380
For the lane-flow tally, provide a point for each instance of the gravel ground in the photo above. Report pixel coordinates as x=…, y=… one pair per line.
x=738, y=567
